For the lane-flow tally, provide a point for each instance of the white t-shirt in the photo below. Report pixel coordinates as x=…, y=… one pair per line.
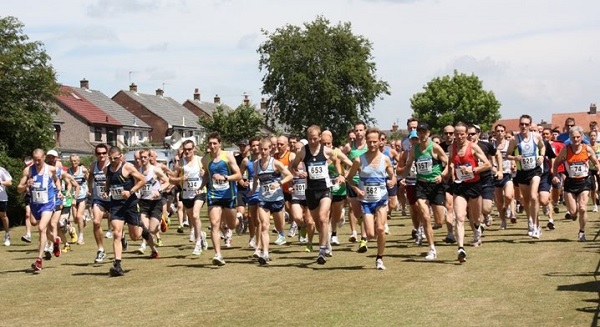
x=4, y=176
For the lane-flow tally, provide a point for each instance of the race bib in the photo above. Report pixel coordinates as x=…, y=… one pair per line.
x=192, y=184
x=146, y=190
x=317, y=170
x=220, y=185
x=372, y=192
x=506, y=166
x=116, y=192
x=100, y=189
x=464, y=176
x=528, y=163
x=412, y=173
x=266, y=190
x=424, y=166
x=578, y=169
x=300, y=189
x=39, y=194
x=335, y=186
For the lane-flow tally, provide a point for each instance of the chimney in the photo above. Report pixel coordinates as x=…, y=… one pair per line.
x=592, y=109
x=394, y=127
x=160, y=92
x=133, y=87
x=196, y=95
x=217, y=99
x=246, y=99
x=84, y=84
x=263, y=104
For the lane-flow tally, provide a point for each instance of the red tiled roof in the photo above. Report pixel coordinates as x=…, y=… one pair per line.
x=80, y=106
x=512, y=124
x=582, y=119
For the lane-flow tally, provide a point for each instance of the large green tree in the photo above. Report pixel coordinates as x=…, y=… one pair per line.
x=234, y=125
x=449, y=99
x=27, y=87
x=319, y=74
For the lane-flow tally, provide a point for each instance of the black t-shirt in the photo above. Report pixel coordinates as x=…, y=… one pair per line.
x=490, y=151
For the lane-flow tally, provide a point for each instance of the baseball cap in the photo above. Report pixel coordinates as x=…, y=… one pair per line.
x=413, y=134
x=423, y=126
x=52, y=153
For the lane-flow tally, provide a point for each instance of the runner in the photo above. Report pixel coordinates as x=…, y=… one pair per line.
x=5, y=181
x=285, y=156
x=247, y=170
x=81, y=175
x=392, y=191
x=504, y=189
x=96, y=189
x=376, y=175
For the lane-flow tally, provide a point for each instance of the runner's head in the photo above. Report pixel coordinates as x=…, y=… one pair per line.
x=214, y=142
x=313, y=134
x=255, y=145
x=460, y=133
x=144, y=157
x=188, y=149
x=327, y=138
x=114, y=155
x=373, y=135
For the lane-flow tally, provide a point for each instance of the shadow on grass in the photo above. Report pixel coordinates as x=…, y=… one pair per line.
x=25, y=270
x=590, y=286
x=196, y=265
x=84, y=264
x=103, y=274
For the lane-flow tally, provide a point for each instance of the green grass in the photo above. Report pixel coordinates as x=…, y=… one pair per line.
x=511, y=280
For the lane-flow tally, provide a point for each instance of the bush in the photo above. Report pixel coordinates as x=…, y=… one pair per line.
x=16, y=205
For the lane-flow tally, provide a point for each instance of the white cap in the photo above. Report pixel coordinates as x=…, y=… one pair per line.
x=52, y=153
x=304, y=141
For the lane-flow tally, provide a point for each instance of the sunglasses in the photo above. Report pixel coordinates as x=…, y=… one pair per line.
x=569, y=126
x=472, y=134
x=524, y=124
x=114, y=158
x=188, y=149
x=100, y=153
x=448, y=133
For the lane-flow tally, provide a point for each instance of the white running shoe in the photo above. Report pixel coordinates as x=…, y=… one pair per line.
x=108, y=234
x=595, y=208
x=476, y=237
x=487, y=220
x=379, y=264
x=335, y=240
x=228, y=242
x=581, y=237
x=142, y=249
x=240, y=226
x=431, y=255
x=303, y=239
x=530, y=227
x=6, y=240
x=218, y=260
x=329, y=250
x=535, y=233
x=197, y=248
x=280, y=240
x=293, y=229
x=186, y=223
x=252, y=243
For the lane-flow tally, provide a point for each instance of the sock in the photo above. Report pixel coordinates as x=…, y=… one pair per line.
x=265, y=253
x=432, y=247
x=281, y=233
x=582, y=231
x=379, y=257
x=117, y=262
x=333, y=234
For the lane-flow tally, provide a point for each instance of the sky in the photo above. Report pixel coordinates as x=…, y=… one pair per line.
x=538, y=57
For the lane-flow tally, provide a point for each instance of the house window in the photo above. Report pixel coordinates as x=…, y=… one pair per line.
x=98, y=134
x=126, y=136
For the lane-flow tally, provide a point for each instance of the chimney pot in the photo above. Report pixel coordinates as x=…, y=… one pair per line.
x=133, y=87
x=84, y=84
x=197, y=94
x=394, y=127
x=160, y=92
x=592, y=109
x=217, y=99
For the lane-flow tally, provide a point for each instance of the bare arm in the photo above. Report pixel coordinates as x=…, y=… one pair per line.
x=478, y=153
x=25, y=181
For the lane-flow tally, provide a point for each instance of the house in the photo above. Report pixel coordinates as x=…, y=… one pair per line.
x=511, y=124
x=204, y=109
x=163, y=114
x=133, y=130
x=80, y=124
x=582, y=119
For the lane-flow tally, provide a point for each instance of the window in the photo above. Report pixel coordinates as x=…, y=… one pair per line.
x=126, y=138
x=98, y=134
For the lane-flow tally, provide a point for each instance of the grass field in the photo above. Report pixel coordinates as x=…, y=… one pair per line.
x=511, y=280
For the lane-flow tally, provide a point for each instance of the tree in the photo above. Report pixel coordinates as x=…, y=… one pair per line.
x=448, y=100
x=322, y=75
x=28, y=85
x=242, y=123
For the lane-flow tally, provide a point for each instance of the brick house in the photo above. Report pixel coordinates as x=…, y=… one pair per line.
x=203, y=108
x=583, y=118
x=163, y=114
x=83, y=123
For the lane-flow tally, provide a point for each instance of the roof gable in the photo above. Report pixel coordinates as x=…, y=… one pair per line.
x=166, y=108
x=83, y=108
x=105, y=103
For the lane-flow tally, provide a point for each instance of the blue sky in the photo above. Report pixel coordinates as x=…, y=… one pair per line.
x=537, y=56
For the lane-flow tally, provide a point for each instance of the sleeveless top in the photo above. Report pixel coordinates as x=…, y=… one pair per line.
x=576, y=164
x=427, y=167
x=355, y=153
x=118, y=184
x=596, y=148
x=267, y=177
x=43, y=189
x=285, y=160
x=467, y=159
x=220, y=190
x=506, y=164
x=316, y=165
x=80, y=179
x=190, y=187
x=373, y=180
x=528, y=150
x=151, y=186
x=99, y=182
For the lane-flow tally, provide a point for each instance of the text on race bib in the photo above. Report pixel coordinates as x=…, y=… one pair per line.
x=578, y=169
x=424, y=166
x=116, y=192
x=528, y=162
x=465, y=175
x=317, y=170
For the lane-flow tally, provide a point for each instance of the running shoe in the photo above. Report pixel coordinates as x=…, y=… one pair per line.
x=73, y=235
x=57, y=247
x=335, y=240
x=343, y=219
x=116, y=270
x=487, y=220
x=550, y=224
x=503, y=225
x=581, y=237
x=47, y=255
x=186, y=223
x=218, y=260
x=556, y=208
x=450, y=239
x=240, y=224
x=164, y=227
x=353, y=238
x=26, y=238
x=329, y=250
x=192, y=235
x=159, y=242
x=308, y=248
x=595, y=208
x=513, y=218
x=462, y=255
x=141, y=249
x=66, y=248
x=379, y=264
x=228, y=242
x=252, y=243
x=403, y=212
x=436, y=226
x=154, y=255
x=293, y=229
x=109, y=234
x=203, y=241
x=100, y=256
x=386, y=229
x=180, y=229
x=6, y=240
x=362, y=248
x=197, y=248
x=546, y=210
x=413, y=234
x=535, y=233
x=264, y=260
x=37, y=265
x=431, y=255
x=280, y=240
x=476, y=237
x=321, y=259
x=80, y=240
x=256, y=254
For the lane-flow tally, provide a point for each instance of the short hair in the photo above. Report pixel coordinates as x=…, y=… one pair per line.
x=144, y=150
x=575, y=128
x=313, y=128
x=461, y=124
x=372, y=130
x=101, y=146
x=254, y=139
x=410, y=120
x=292, y=137
x=526, y=117
x=73, y=156
x=186, y=142
x=114, y=149
x=360, y=122
x=214, y=135
x=570, y=119
x=500, y=125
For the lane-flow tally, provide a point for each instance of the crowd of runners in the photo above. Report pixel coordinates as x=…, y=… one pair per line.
x=307, y=183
